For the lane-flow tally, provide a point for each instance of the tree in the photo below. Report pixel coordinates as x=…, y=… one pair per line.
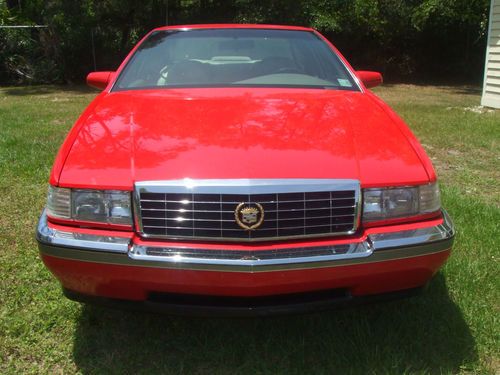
x=402, y=38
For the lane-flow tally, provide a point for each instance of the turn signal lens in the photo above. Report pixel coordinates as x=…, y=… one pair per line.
x=430, y=198
x=59, y=202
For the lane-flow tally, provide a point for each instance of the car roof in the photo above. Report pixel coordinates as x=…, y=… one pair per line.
x=233, y=26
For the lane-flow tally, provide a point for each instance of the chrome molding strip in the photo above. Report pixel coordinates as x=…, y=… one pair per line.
x=441, y=232
x=246, y=187
x=49, y=236
x=252, y=260
x=376, y=248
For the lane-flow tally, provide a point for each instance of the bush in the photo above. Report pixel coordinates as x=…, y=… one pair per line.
x=406, y=40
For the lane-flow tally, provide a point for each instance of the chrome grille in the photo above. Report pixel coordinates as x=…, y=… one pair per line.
x=200, y=213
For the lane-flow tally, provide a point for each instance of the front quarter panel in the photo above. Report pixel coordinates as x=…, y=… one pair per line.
x=419, y=150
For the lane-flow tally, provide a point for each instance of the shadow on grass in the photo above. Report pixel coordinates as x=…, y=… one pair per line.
x=46, y=90
x=425, y=333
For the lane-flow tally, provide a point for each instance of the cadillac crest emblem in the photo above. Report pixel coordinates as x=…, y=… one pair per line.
x=249, y=216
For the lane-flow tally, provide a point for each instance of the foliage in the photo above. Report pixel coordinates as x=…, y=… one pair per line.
x=402, y=38
x=25, y=54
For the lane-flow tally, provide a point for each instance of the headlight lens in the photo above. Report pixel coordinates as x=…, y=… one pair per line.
x=100, y=206
x=393, y=203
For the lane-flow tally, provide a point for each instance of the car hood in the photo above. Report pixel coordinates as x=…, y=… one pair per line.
x=145, y=135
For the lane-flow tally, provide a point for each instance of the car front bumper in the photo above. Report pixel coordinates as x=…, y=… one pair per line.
x=98, y=265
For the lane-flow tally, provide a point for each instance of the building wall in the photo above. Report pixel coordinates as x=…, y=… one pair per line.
x=491, y=84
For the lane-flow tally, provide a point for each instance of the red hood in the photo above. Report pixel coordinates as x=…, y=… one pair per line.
x=238, y=133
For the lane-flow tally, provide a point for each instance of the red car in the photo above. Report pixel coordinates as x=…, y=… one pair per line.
x=240, y=169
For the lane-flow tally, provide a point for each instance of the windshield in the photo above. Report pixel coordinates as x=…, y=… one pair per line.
x=234, y=58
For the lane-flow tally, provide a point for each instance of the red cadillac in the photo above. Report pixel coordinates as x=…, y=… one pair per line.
x=238, y=170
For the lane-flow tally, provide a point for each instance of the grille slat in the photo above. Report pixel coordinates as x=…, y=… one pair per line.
x=232, y=220
x=211, y=216
x=237, y=202
x=232, y=211
x=225, y=229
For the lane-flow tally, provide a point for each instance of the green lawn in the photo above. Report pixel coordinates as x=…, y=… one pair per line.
x=452, y=328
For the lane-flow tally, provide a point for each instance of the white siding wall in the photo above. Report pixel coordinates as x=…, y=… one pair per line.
x=491, y=84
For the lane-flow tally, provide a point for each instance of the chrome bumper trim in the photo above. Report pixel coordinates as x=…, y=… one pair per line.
x=444, y=231
x=118, y=250
x=252, y=259
x=49, y=236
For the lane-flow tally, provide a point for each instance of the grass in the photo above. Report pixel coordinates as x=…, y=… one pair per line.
x=452, y=328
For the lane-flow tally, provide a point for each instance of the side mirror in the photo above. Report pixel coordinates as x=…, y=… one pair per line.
x=369, y=79
x=99, y=80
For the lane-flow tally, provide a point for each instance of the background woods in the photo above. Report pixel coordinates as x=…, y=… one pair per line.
x=438, y=40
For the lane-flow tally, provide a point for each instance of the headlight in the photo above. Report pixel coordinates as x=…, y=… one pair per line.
x=100, y=206
x=393, y=203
